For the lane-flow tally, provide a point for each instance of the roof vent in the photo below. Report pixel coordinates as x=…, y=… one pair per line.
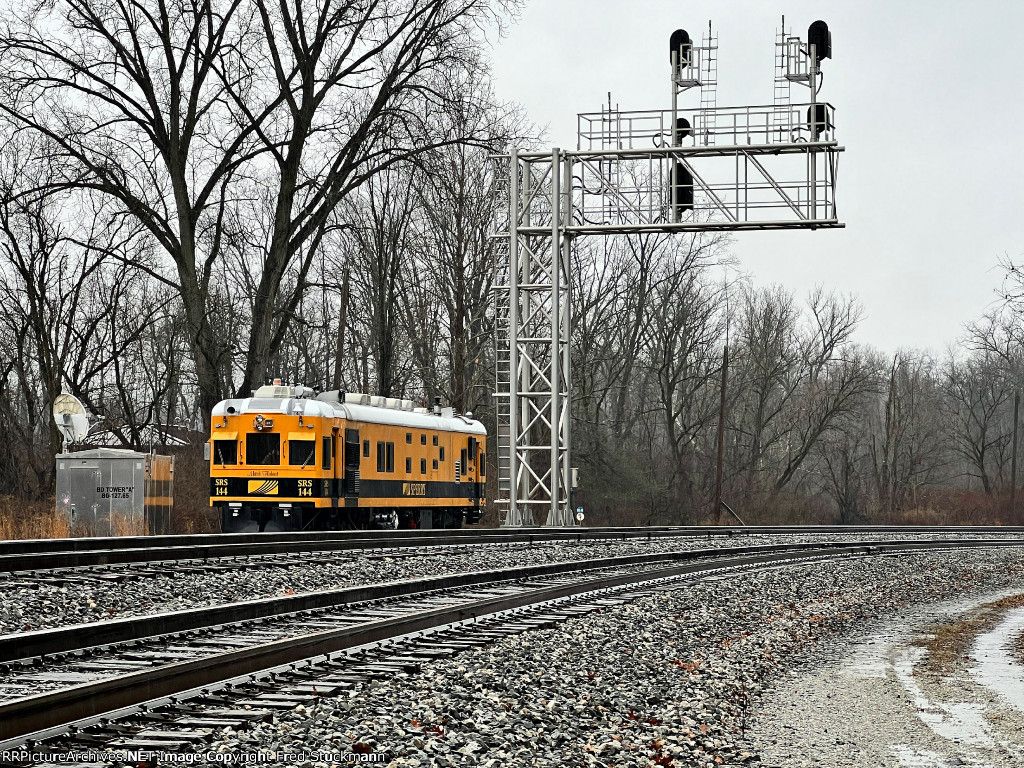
x=357, y=398
x=274, y=390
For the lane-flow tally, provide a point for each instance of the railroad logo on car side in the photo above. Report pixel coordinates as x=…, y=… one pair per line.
x=414, y=489
x=263, y=487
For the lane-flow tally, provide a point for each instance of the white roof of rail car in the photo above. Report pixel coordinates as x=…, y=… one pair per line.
x=350, y=411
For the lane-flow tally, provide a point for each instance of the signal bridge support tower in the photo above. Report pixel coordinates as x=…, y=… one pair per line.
x=699, y=169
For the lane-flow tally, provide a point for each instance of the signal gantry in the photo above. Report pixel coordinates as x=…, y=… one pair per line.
x=692, y=168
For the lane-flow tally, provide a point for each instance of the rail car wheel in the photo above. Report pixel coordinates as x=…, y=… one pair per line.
x=387, y=521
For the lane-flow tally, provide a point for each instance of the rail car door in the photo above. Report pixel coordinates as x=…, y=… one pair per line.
x=351, y=481
x=337, y=473
x=472, y=467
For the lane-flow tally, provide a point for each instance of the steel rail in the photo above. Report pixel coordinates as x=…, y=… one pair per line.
x=25, y=716
x=75, y=637
x=49, y=554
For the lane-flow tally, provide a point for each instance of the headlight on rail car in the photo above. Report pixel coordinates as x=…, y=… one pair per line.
x=258, y=423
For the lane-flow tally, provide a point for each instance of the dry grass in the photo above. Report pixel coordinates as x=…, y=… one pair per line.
x=31, y=520
x=192, y=512
x=39, y=519
x=125, y=525
x=950, y=642
x=194, y=520
x=954, y=506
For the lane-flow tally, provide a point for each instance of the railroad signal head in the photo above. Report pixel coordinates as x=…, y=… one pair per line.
x=817, y=120
x=682, y=188
x=680, y=43
x=819, y=36
x=682, y=131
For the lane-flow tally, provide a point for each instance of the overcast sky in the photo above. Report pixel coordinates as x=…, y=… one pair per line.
x=929, y=106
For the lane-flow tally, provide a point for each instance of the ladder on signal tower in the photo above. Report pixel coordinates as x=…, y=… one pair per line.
x=502, y=365
x=708, y=87
x=781, y=119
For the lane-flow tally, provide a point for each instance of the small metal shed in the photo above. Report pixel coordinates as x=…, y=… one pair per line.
x=115, y=492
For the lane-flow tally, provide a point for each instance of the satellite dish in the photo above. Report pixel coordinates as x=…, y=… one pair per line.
x=71, y=418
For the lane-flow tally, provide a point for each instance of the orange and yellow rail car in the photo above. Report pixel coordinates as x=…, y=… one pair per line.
x=286, y=460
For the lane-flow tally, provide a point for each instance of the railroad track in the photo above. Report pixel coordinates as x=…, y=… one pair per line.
x=177, y=683
x=197, y=551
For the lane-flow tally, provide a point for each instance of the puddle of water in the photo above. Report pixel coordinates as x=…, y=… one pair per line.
x=870, y=657
x=955, y=721
x=996, y=668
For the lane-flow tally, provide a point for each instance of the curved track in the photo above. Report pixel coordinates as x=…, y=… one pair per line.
x=399, y=609
x=50, y=554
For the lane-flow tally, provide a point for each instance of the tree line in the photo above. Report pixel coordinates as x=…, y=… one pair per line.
x=197, y=196
x=817, y=426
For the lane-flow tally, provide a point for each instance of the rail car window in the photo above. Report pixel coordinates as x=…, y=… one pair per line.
x=423, y=466
x=462, y=458
x=385, y=457
x=262, y=448
x=301, y=453
x=366, y=449
x=408, y=465
x=328, y=450
x=435, y=439
x=423, y=439
x=441, y=454
x=483, y=463
x=408, y=438
x=225, y=452
x=435, y=463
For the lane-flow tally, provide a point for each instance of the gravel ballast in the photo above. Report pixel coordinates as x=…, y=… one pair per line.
x=158, y=588
x=671, y=679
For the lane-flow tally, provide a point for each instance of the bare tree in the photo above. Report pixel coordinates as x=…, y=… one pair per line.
x=448, y=297
x=384, y=237
x=131, y=97
x=63, y=288
x=164, y=108
x=845, y=467
x=979, y=398
x=794, y=378
x=907, y=449
x=687, y=327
